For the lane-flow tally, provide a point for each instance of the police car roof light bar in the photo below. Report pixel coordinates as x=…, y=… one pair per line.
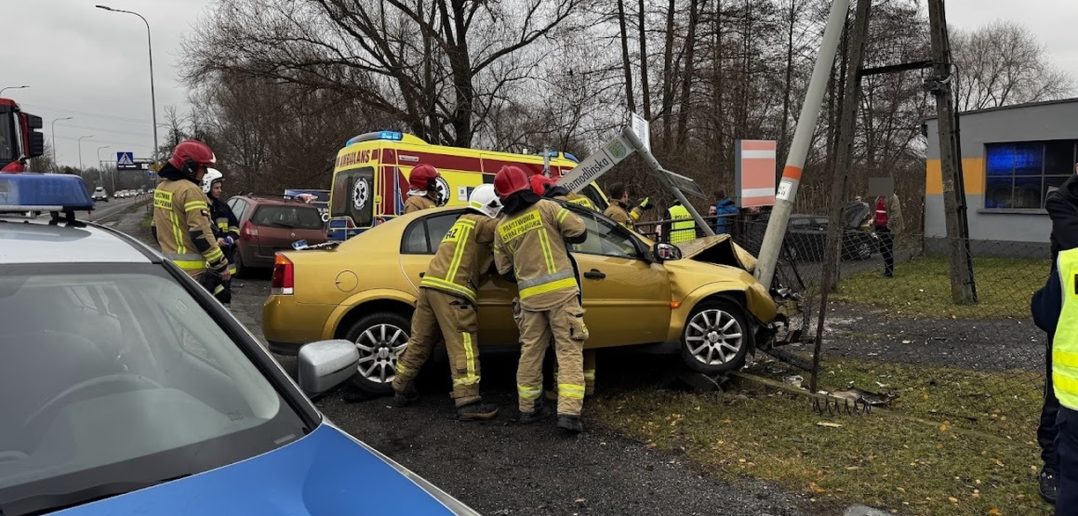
x=43, y=192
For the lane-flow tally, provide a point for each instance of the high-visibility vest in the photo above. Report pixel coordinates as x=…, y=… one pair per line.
x=1065, y=342
x=682, y=227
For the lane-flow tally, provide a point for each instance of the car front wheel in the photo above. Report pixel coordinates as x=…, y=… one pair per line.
x=716, y=337
x=381, y=339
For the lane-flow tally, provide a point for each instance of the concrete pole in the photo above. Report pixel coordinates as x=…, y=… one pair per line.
x=963, y=288
x=795, y=160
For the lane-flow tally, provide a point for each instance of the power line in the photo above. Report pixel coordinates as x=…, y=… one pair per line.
x=87, y=113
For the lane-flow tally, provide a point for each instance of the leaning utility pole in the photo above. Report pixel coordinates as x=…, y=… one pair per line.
x=963, y=288
x=795, y=158
x=840, y=167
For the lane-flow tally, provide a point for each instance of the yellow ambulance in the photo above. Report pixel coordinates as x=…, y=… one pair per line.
x=370, y=177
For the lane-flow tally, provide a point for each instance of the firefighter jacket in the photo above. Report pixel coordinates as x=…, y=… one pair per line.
x=225, y=223
x=682, y=227
x=619, y=212
x=181, y=216
x=418, y=202
x=463, y=256
x=530, y=244
x=577, y=199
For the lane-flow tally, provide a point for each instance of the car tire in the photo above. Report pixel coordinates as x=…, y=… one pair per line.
x=716, y=337
x=864, y=250
x=381, y=339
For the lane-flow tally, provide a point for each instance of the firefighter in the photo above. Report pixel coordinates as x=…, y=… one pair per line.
x=1055, y=309
x=422, y=188
x=545, y=187
x=225, y=227
x=619, y=206
x=529, y=248
x=181, y=214
x=682, y=227
x=446, y=310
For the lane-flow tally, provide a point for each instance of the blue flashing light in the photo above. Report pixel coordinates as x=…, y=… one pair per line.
x=31, y=191
x=380, y=135
x=570, y=157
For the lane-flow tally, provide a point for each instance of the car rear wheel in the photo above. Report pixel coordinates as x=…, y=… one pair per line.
x=864, y=250
x=381, y=339
x=716, y=337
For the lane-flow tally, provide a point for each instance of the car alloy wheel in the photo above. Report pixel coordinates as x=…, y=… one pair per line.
x=716, y=337
x=381, y=339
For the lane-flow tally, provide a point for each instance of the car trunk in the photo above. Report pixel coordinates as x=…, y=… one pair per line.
x=720, y=250
x=280, y=225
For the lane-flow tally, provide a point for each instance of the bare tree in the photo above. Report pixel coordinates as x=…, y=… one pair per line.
x=1003, y=63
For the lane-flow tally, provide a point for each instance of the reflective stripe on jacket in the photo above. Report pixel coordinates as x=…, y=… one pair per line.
x=531, y=245
x=462, y=257
x=1065, y=343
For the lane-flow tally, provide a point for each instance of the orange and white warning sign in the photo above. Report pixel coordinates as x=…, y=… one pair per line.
x=754, y=172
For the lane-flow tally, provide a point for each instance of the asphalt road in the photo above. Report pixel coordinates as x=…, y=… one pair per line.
x=503, y=468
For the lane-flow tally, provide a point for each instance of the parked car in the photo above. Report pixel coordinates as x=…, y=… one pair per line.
x=100, y=194
x=806, y=235
x=271, y=224
x=135, y=381
x=701, y=298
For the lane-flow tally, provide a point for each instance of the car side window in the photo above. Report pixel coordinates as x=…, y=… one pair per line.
x=239, y=208
x=605, y=239
x=424, y=235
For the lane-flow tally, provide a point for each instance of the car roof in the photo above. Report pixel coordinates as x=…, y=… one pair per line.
x=35, y=241
x=258, y=199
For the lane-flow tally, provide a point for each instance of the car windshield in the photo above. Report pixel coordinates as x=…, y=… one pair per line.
x=292, y=217
x=112, y=376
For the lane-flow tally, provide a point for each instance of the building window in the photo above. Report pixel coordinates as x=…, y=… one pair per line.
x=1019, y=175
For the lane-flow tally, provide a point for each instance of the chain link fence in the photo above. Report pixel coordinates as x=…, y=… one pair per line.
x=899, y=340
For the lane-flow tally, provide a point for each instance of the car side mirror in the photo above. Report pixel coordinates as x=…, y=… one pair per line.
x=665, y=252
x=324, y=364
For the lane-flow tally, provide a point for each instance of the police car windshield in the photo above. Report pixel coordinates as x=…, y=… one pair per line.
x=118, y=374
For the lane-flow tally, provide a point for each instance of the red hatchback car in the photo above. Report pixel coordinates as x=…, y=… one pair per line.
x=271, y=224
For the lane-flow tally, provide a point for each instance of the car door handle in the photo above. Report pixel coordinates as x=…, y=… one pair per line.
x=422, y=274
x=594, y=274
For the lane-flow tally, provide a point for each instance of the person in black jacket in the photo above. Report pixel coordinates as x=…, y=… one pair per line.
x=225, y=228
x=1046, y=304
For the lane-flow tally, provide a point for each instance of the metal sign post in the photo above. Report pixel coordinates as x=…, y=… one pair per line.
x=676, y=183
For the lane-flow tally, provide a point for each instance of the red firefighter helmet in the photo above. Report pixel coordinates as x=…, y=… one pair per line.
x=540, y=183
x=191, y=154
x=422, y=177
x=510, y=180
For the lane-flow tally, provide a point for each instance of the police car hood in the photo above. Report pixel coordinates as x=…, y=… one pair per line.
x=718, y=249
x=324, y=473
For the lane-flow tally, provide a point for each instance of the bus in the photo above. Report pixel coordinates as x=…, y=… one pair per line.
x=370, y=177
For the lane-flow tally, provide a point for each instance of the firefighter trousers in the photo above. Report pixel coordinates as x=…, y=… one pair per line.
x=565, y=324
x=441, y=316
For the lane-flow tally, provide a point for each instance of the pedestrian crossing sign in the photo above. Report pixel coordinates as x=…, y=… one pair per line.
x=125, y=159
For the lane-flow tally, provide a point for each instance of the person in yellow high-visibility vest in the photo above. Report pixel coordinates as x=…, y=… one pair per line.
x=1062, y=207
x=682, y=227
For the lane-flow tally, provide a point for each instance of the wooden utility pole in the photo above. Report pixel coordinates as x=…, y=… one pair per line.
x=963, y=288
x=840, y=166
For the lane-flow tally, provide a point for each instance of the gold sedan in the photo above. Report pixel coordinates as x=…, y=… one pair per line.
x=701, y=296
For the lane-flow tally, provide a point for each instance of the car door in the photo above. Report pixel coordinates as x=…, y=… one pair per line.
x=418, y=244
x=627, y=297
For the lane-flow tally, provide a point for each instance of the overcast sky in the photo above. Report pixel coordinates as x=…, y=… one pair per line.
x=92, y=65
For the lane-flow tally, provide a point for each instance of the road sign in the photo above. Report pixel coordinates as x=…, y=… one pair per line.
x=642, y=129
x=595, y=165
x=126, y=161
x=754, y=172
x=685, y=184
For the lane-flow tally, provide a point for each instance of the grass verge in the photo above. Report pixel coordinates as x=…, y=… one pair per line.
x=922, y=287
x=886, y=460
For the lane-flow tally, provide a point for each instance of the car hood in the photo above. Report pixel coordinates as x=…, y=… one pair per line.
x=324, y=473
x=718, y=249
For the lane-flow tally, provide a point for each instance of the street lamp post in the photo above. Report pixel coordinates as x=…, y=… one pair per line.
x=12, y=88
x=80, y=150
x=149, y=46
x=101, y=168
x=54, y=162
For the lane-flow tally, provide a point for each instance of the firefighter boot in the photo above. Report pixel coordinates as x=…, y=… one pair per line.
x=405, y=396
x=571, y=424
x=477, y=411
x=541, y=412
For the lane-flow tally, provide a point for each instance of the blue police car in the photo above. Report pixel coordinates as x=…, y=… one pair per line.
x=125, y=388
